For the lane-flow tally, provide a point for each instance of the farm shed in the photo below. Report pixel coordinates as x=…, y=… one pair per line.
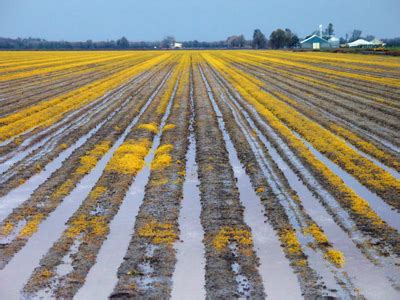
x=378, y=43
x=314, y=42
x=360, y=43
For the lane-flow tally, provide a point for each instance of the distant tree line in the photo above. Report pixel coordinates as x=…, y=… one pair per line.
x=278, y=39
x=41, y=44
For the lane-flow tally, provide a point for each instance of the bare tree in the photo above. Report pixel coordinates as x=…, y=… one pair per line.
x=356, y=34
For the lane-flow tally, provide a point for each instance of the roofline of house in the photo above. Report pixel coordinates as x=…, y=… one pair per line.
x=314, y=35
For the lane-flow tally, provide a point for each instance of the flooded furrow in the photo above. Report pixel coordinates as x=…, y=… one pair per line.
x=334, y=116
x=67, y=125
x=102, y=277
x=90, y=222
x=385, y=211
x=366, y=276
x=148, y=264
x=36, y=133
x=48, y=195
x=20, y=194
x=386, y=267
x=40, y=93
x=393, y=172
x=189, y=275
x=348, y=103
x=335, y=282
x=267, y=245
x=231, y=262
x=17, y=272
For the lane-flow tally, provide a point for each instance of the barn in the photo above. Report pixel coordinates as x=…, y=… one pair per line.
x=314, y=42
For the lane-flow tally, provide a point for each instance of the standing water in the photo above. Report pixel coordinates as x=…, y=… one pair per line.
x=102, y=277
x=189, y=275
x=273, y=264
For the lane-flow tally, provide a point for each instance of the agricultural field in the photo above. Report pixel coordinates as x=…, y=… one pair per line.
x=199, y=174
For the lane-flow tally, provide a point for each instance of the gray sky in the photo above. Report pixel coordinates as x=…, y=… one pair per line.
x=188, y=20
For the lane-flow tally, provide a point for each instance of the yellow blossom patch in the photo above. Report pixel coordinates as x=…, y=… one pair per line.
x=97, y=192
x=168, y=127
x=18, y=141
x=317, y=233
x=300, y=263
x=163, y=149
x=336, y=257
x=209, y=168
x=162, y=157
x=31, y=226
x=45, y=273
x=159, y=233
x=90, y=159
x=152, y=127
x=161, y=161
x=7, y=228
x=229, y=235
x=129, y=157
x=90, y=225
x=159, y=182
x=289, y=238
x=182, y=173
x=260, y=190
x=64, y=189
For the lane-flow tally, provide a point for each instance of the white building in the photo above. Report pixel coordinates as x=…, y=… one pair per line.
x=361, y=43
x=378, y=43
x=177, y=45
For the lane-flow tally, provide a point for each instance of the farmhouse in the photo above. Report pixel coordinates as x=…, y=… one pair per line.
x=315, y=42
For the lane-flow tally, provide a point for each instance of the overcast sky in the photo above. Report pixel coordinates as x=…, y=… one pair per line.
x=188, y=20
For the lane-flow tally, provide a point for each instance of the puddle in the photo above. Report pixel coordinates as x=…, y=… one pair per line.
x=147, y=280
x=189, y=274
x=243, y=284
x=66, y=267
